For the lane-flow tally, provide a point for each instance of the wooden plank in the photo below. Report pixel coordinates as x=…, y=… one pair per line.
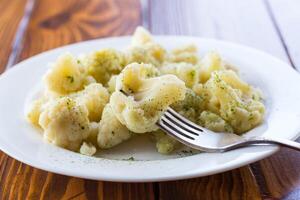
x=10, y=16
x=242, y=22
x=55, y=23
x=17, y=44
x=235, y=184
x=281, y=174
x=71, y=21
x=233, y=20
x=280, y=171
x=287, y=18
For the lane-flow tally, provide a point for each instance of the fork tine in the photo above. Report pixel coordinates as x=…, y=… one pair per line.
x=181, y=124
x=177, y=128
x=173, y=132
x=187, y=122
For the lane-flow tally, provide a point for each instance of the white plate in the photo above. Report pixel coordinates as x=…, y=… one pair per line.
x=20, y=140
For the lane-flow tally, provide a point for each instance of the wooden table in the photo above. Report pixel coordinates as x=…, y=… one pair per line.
x=270, y=25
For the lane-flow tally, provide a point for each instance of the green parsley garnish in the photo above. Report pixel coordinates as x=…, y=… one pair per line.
x=70, y=78
x=129, y=159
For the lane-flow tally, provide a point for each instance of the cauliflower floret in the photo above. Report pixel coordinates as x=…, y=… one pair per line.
x=144, y=50
x=65, y=75
x=89, y=80
x=131, y=78
x=149, y=97
x=210, y=102
x=191, y=48
x=111, y=131
x=211, y=62
x=94, y=97
x=231, y=78
x=164, y=143
x=191, y=106
x=35, y=110
x=141, y=36
x=149, y=53
x=240, y=111
x=104, y=63
x=185, y=71
x=65, y=123
x=214, y=122
x=93, y=133
x=111, y=85
x=87, y=149
x=186, y=54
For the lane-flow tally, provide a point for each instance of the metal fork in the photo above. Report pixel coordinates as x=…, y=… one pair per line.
x=205, y=140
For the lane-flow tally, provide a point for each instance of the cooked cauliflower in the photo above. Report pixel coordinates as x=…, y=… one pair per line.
x=214, y=122
x=111, y=131
x=141, y=36
x=164, y=143
x=104, y=63
x=87, y=149
x=35, y=110
x=190, y=106
x=65, y=75
x=187, y=54
x=65, y=123
x=94, y=97
x=93, y=133
x=102, y=99
x=149, y=97
x=111, y=85
x=240, y=111
x=211, y=62
x=185, y=71
x=144, y=50
x=132, y=77
x=148, y=53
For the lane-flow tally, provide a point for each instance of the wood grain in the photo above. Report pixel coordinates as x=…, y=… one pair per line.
x=287, y=18
x=72, y=21
x=281, y=173
x=232, y=20
x=55, y=23
x=10, y=16
x=236, y=184
x=242, y=21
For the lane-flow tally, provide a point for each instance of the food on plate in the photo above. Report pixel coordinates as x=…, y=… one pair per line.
x=94, y=96
x=65, y=122
x=164, y=143
x=111, y=131
x=145, y=98
x=103, y=64
x=65, y=75
x=101, y=99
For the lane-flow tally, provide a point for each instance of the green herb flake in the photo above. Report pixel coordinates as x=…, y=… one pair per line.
x=251, y=117
x=192, y=74
x=71, y=79
x=129, y=159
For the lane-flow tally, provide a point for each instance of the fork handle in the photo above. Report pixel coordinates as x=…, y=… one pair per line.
x=277, y=141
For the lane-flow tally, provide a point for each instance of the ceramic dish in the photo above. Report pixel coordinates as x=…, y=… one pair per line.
x=20, y=140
